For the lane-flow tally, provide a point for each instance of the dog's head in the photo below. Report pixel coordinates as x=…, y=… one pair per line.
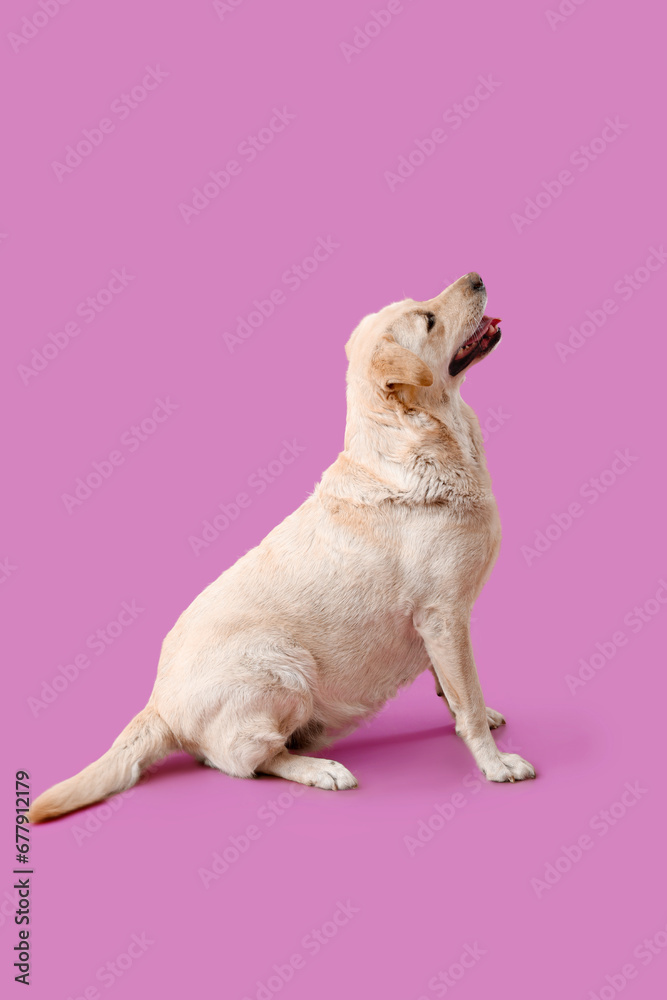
x=411, y=346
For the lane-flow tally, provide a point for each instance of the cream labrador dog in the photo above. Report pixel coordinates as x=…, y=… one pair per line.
x=370, y=582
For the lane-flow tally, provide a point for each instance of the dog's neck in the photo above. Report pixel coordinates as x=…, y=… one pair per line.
x=401, y=450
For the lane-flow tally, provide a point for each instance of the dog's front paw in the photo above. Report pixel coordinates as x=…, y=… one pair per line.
x=494, y=718
x=508, y=767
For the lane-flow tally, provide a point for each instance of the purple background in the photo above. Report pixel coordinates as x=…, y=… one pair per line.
x=554, y=422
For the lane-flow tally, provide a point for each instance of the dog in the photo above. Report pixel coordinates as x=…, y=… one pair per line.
x=367, y=584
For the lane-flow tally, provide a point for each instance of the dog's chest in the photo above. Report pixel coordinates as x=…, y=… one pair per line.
x=445, y=553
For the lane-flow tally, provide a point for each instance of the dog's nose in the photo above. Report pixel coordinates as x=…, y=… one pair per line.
x=476, y=282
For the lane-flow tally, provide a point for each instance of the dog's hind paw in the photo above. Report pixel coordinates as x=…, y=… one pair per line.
x=317, y=771
x=331, y=774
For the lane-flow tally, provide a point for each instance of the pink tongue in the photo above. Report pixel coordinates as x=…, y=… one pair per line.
x=485, y=324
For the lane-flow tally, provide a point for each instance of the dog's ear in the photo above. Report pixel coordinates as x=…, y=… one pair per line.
x=354, y=336
x=348, y=346
x=393, y=365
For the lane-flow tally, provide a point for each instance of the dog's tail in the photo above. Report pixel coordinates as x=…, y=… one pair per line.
x=146, y=739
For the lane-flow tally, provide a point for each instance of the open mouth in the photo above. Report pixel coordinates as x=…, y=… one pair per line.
x=482, y=342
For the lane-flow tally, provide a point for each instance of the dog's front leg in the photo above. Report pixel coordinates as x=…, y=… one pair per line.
x=493, y=718
x=446, y=636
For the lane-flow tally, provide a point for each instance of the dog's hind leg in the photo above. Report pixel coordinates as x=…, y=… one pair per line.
x=267, y=706
x=244, y=744
x=308, y=770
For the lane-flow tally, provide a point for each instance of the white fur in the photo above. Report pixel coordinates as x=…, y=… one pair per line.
x=370, y=582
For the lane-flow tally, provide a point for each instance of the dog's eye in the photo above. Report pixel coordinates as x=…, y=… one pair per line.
x=430, y=321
